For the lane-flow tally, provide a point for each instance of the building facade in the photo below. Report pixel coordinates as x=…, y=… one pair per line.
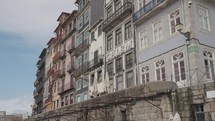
x=163, y=53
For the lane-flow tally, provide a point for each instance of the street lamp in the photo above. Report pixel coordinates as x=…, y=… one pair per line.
x=179, y=27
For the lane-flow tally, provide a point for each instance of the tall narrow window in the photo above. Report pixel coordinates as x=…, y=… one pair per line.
x=203, y=18
x=119, y=82
x=160, y=70
x=145, y=74
x=174, y=19
x=109, y=11
x=129, y=79
x=80, y=22
x=86, y=16
x=99, y=76
x=109, y=42
x=110, y=69
x=99, y=30
x=117, y=4
x=178, y=67
x=157, y=31
x=143, y=39
x=119, y=65
x=209, y=64
x=198, y=110
x=129, y=60
x=128, y=31
x=118, y=36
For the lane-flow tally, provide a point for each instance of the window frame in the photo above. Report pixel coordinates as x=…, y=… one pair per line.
x=128, y=30
x=181, y=75
x=143, y=39
x=160, y=69
x=207, y=15
x=176, y=19
x=145, y=71
x=158, y=29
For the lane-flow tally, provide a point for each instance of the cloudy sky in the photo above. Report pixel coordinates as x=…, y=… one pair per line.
x=25, y=28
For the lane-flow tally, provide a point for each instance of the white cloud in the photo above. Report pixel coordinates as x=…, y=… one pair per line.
x=20, y=104
x=35, y=20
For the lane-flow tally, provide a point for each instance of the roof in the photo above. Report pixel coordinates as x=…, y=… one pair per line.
x=62, y=14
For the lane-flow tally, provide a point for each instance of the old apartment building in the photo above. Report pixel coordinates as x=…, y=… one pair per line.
x=122, y=60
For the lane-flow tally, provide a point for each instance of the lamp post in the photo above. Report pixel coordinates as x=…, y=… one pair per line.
x=179, y=28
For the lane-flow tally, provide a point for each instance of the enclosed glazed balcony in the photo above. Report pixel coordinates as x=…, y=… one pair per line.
x=95, y=62
x=70, y=67
x=71, y=48
x=65, y=88
x=150, y=9
x=81, y=69
x=82, y=47
x=124, y=11
x=56, y=57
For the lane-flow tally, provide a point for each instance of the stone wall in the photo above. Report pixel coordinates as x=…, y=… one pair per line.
x=148, y=102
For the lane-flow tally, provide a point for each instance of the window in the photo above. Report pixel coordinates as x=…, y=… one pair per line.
x=119, y=65
x=124, y=115
x=92, y=79
x=160, y=70
x=79, y=40
x=110, y=69
x=198, y=110
x=128, y=31
x=80, y=22
x=78, y=84
x=78, y=98
x=129, y=60
x=71, y=98
x=93, y=36
x=157, y=31
x=129, y=79
x=209, y=64
x=109, y=11
x=174, y=19
x=85, y=96
x=85, y=81
x=99, y=76
x=143, y=38
x=57, y=103
x=109, y=42
x=145, y=74
x=62, y=102
x=178, y=67
x=111, y=87
x=86, y=36
x=99, y=30
x=80, y=5
x=86, y=16
x=66, y=100
x=86, y=57
x=141, y=4
x=117, y=4
x=203, y=18
x=118, y=36
x=119, y=83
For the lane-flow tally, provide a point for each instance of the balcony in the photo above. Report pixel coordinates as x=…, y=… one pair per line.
x=81, y=69
x=70, y=67
x=40, y=63
x=59, y=74
x=56, y=57
x=71, y=48
x=41, y=75
x=82, y=47
x=149, y=10
x=62, y=54
x=36, y=82
x=117, y=17
x=66, y=87
x=97, y=61
x=40, y=87
x=35, y=93
x=50, y=72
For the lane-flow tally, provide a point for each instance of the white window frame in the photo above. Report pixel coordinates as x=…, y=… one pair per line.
x=80, y=22
x=86, y=16
x=78, y=96
x=204, y=24
x=209, y=69
x=159, y=68
x=85, y=94
x=78, y=84
x=85, y=82
x=176, y=19
x=178, y=62
x=145, y=72
x=143, y=39
x=157, y=31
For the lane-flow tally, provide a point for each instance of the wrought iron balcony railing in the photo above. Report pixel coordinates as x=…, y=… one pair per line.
x=62, y=54
x=146, y=9
x=124, y=11
x=59, y=74
x=82, y=47
x=81, y=69
x=66, y=87
x=97, y=61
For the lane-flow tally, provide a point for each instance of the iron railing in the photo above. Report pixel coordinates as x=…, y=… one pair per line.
x=146, y=9
x=65, y=87
x=81, y=47
x=81, y=69
x=70, y=67
x=70, y=47
x=97, y=61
